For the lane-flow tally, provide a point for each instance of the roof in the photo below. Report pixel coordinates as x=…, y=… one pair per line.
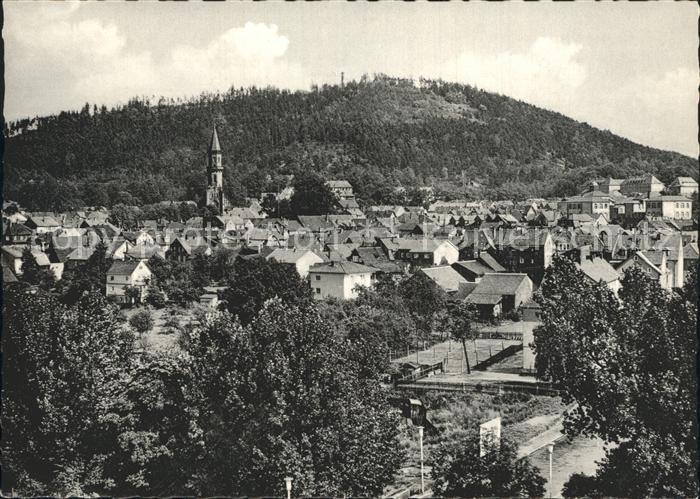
x=472, y=267
x=500, y=284
x=288, y=255
x=598, y=270
x=447, y=278
x=7, y=275
x=491, y=262
x=335, y=267
x=690, y=251
x=214, y=145
x=589, y=196
x=483, y=298
x=125, y=267
x=44, y=221
x=689, y=181
x=337, y=184
x=18, y=230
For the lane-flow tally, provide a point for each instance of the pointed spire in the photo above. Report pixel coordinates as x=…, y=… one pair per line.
x=214, y=143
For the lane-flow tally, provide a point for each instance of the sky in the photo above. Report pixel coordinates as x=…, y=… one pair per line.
x=631, y=68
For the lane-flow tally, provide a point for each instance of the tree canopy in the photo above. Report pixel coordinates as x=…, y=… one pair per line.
x=629, y=364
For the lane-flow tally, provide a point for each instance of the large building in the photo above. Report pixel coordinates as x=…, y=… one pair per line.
x=215, y=176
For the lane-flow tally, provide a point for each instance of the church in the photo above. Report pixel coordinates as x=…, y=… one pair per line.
x=215, y=176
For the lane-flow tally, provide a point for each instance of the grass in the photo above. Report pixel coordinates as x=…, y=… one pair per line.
x=162, y=337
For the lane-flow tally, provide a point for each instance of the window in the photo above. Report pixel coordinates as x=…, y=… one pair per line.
x=318, y=277
x=318, y=291
x=111, y=278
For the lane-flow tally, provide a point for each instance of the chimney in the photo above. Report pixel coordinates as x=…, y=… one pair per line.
x=584, y=253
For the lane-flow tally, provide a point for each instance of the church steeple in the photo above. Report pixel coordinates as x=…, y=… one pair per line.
x=214, y=142
x=215, y=175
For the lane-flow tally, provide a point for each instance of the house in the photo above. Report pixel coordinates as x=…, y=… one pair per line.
x=607, y=185
x=12, y=259
x=182, y=250
x=497, y=294
x=302, y=259
x=529, y=252
x=684, y=186
x=667, y=263
x=646, y=185
x=341, y=188
x=17, y=234
x=445, y=277
x=674, y=207
x=129, y=273
x=590, y=203
x=598, y=269
x=374, y=256
x=43, y=224
x=339, y=279
x=426, y=252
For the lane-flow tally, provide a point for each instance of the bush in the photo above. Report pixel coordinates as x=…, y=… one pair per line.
x=142, y=321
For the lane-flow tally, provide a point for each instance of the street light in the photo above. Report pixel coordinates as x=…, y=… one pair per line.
x=550, y=449
x=288, y=483
x=422, y=481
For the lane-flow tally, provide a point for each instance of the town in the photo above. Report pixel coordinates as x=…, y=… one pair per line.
x=479, y=251
x=471, y=276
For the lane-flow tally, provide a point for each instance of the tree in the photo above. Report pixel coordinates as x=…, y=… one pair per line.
x=132, y=294
x=32, y=273
x=61, y=365
x=461, y=319
x=460, y=471
x=629, y=366
x=154, y=419
x=423, y=298
x=142, y=321
x=155, y=296
x=259, y=280
x=312, y=196
x=278, y=399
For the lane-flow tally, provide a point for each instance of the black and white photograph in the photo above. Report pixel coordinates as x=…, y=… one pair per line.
x=349, y=249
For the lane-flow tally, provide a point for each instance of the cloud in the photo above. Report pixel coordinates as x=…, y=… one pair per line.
x=651, y=109
x=546, y=74
x=55, y=62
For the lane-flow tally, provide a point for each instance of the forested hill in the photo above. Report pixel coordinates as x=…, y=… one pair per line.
x=377, y=133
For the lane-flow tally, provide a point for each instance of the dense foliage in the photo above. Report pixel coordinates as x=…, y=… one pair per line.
x=630, y=367
x=287, y=402
x=257, y=280
x=241, y=408
x=378, y=134
x=460, y=471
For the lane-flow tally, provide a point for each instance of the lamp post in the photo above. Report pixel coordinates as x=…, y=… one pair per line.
x=422, y=481
x=288, y=484
x=550, y=450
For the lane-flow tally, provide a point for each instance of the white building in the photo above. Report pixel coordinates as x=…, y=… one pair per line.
x=301, y=259
x=339, y=279
x=676, y=207
x=684, y=186
x=134, y=273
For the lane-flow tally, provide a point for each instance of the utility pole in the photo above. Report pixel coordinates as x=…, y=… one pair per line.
x=422, y=480
x=550, y=450
x=342, y=79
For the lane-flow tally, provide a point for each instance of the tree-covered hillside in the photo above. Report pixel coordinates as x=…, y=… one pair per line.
x=378, y=133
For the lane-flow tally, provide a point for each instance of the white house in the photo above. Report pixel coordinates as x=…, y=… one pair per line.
x=339, y=279
x=300, y=258
x=684, y=186
x=121, y=274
